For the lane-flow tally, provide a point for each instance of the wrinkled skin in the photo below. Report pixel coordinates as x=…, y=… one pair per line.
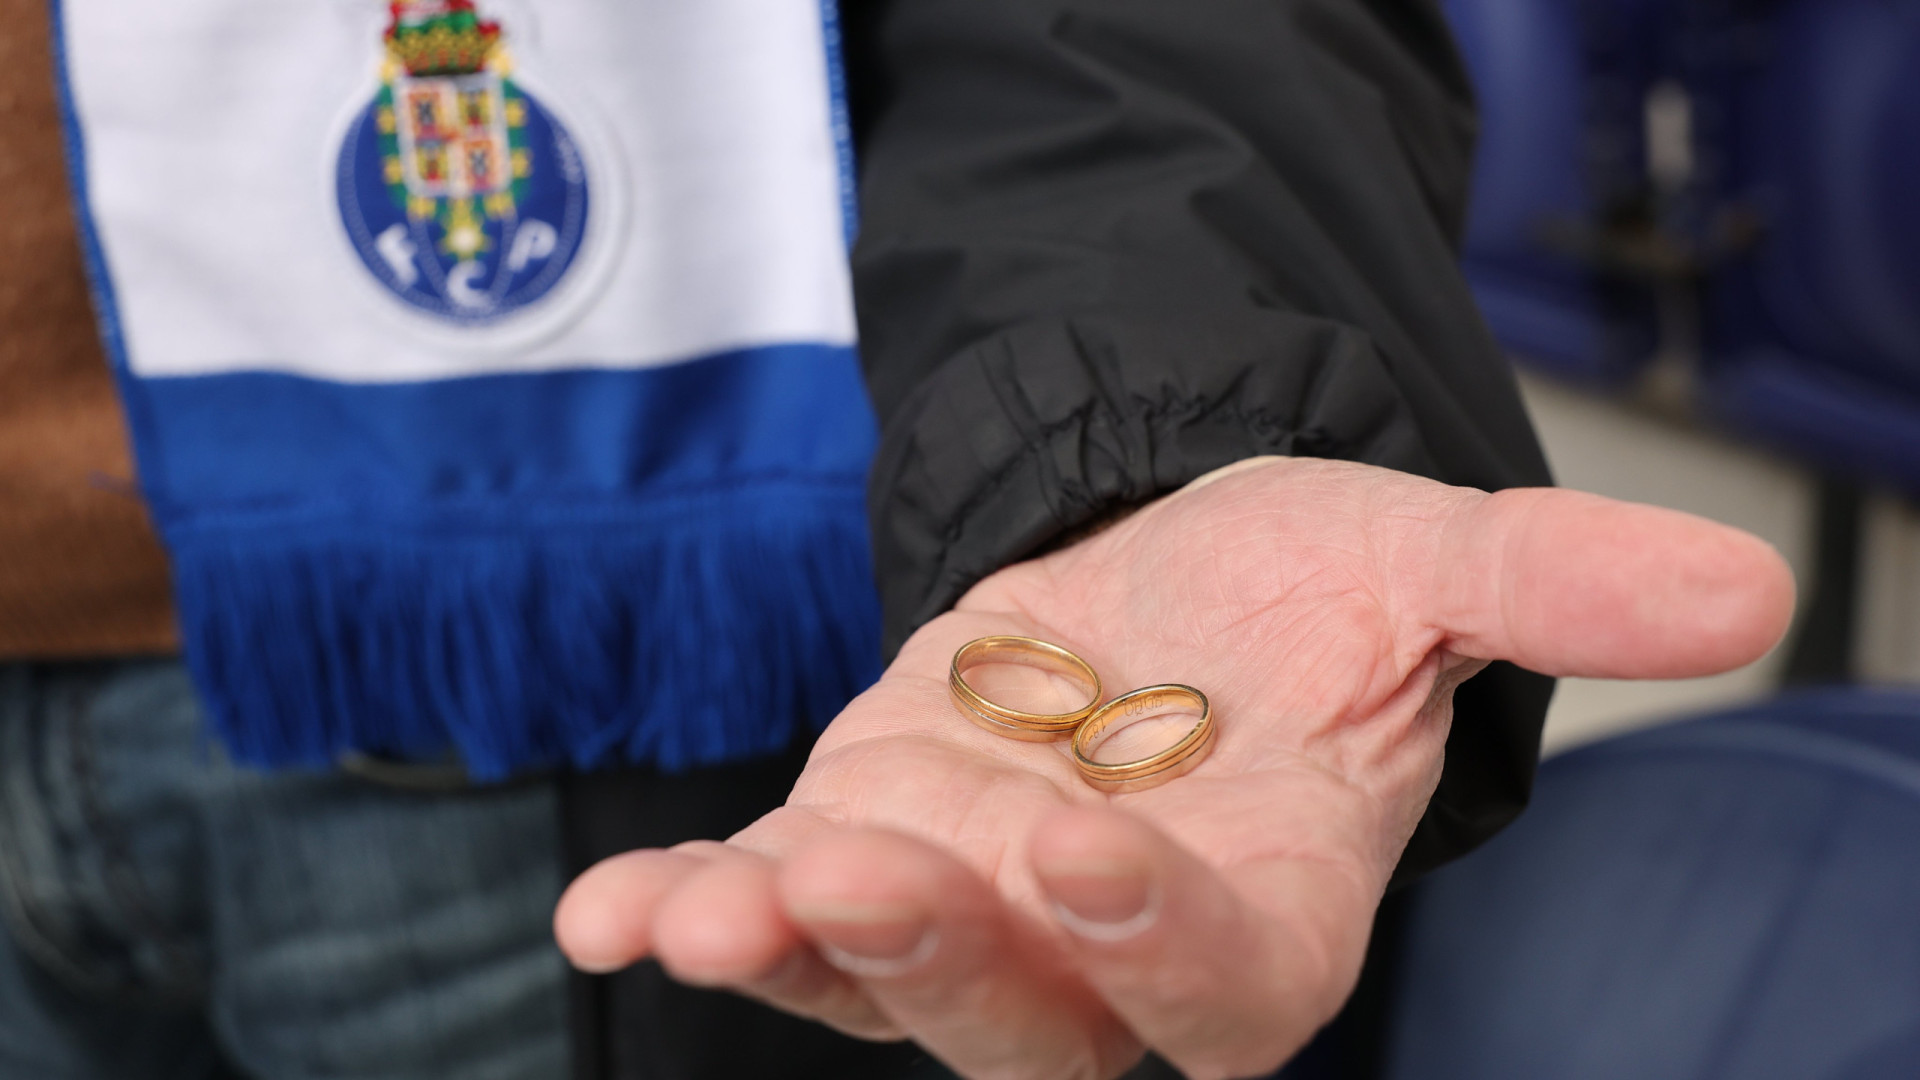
x=928, y=879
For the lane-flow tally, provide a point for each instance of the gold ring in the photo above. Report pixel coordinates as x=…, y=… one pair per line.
x=1175, y=760
x=1030, y=652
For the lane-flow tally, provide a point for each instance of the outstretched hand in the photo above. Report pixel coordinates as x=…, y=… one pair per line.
x=929, y=879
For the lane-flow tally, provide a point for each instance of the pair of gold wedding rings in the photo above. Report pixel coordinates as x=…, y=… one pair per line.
x=1089, y=725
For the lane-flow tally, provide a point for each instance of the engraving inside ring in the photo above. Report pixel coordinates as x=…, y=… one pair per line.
x=1141, y=730
x=1026, y=688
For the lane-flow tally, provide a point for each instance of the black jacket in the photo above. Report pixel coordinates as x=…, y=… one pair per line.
x=1110, y=245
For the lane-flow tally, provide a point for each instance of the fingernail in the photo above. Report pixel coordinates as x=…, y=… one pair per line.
x=785, y=972
x=595, y=967
x=1102, y=900
x=872, y=940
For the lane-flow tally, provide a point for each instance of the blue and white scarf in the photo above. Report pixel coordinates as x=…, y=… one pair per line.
x=491, y=370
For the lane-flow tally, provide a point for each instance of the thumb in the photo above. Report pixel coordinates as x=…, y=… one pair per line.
x=1567, y=583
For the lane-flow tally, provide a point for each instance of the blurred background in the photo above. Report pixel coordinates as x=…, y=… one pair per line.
x=1695, y=231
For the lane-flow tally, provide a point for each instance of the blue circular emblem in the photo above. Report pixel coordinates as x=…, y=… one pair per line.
x=463, y=196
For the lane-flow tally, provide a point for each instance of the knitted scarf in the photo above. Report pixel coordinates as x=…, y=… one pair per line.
x=490, y=366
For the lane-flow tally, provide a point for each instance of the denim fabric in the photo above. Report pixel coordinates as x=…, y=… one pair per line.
x=167, y=915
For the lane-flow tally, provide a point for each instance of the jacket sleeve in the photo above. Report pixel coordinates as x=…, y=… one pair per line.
x=1110, y=245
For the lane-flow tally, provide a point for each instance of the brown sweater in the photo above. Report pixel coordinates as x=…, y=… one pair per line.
x=81, y=573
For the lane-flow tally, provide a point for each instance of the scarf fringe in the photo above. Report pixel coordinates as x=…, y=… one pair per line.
x=678, y=644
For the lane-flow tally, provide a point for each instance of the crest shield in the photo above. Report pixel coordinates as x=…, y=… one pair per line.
x=462, y=194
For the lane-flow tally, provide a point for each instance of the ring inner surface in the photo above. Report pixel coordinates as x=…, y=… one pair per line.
x=1029, y=685
x=1142, y=729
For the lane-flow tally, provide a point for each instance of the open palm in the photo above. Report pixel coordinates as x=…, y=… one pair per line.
x=929, y=879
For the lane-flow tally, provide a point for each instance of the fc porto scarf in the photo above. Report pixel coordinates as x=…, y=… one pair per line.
x=490, y=366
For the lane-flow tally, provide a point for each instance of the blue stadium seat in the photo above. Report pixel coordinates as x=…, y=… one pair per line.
x=1560, y=85
x=1734, y=898
x=1814, y=336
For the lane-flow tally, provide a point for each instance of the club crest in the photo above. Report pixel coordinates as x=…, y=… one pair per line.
x=463, y=195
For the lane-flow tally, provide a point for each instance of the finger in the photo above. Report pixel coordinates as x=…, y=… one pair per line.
x=1568, y=583
x=937, y=948
x=1216, y=985
x=603, y=921
x=723, y=927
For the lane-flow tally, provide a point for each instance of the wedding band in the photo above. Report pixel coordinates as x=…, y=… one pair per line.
x=1174, y=761
x=1027, y=652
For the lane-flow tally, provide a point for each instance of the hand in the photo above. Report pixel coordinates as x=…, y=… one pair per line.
x=928, y=879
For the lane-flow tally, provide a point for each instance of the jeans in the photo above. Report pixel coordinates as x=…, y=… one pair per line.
x=165, y=914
